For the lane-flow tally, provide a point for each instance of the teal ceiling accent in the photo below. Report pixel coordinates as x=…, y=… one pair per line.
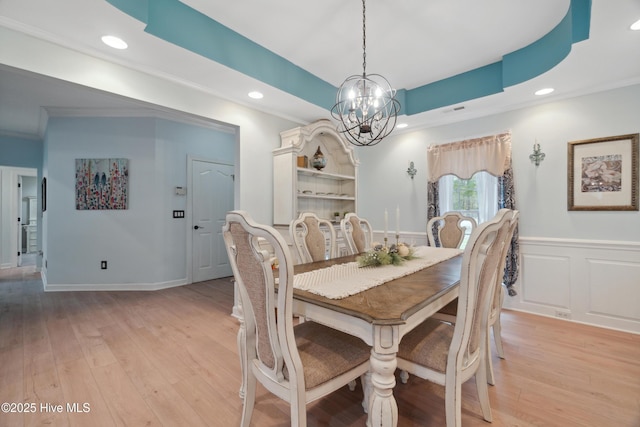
x=473, y=84
x=183, y=26
x=134, y=8
x=515, y=67
x=544, y=54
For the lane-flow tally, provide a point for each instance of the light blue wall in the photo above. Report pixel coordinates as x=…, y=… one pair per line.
x=143, y=244
x=20, y=152
x=541, y=192
x=175, y=142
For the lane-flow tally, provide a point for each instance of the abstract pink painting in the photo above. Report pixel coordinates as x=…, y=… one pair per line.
x=102, y=184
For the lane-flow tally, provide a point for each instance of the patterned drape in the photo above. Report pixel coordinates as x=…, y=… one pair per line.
x=433, y=205
x=506, y=199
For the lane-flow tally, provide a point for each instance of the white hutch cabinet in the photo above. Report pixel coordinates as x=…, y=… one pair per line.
x=300, y=188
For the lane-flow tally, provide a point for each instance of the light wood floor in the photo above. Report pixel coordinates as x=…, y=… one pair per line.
x=169, y=358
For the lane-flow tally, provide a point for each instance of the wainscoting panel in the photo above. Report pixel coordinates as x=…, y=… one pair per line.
x=612, y=285
x=585, y=281
x=551, y=277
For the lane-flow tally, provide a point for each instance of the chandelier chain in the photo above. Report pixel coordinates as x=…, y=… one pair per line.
x=364, y=39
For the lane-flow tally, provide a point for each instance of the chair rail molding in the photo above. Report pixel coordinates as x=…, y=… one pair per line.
x=619, y=245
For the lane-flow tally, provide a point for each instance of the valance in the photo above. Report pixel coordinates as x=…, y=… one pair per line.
x=464, y=158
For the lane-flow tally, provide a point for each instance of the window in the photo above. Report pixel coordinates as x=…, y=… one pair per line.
x=476, y=197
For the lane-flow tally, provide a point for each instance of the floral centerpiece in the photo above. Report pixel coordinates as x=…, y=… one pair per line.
x=381, y=255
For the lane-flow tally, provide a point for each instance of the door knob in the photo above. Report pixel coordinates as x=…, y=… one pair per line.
x=196, y=227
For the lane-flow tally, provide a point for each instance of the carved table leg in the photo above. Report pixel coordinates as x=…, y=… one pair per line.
x=383, y=410
x=366, y=391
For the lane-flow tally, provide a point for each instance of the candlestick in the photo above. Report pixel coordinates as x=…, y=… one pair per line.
x=386, y=224
x=398, y=220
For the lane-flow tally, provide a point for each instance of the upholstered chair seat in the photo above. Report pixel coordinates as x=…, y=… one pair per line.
x=316, y=345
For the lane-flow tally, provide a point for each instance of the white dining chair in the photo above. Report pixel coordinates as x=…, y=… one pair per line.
x=449, y=230
x=314, y=238
x=357, y=233
x=450, y=354
x=448, y=313
x=298, y=364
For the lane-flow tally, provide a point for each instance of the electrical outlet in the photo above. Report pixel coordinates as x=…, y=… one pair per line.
x=103, y=265
x=563, y=314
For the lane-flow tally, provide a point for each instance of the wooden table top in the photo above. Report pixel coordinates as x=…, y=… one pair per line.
x=392, y=302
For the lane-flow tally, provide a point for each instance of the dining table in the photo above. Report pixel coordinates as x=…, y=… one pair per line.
x=381, y=316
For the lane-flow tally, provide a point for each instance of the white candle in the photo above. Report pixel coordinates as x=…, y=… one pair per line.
x=386, y=223
x=398, y=220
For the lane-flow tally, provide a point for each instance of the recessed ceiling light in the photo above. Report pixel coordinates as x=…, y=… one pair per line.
x=256, y=95
x=636, y=25
x=402, y=125
x=545, y=91
x=114, y=42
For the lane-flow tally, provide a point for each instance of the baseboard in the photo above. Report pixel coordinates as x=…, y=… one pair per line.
x=61, y=287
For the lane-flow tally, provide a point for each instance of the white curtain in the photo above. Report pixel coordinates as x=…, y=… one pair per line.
x=487, y=186
x=444, y=195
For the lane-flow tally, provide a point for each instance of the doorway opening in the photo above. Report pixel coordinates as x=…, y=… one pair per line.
x=28, y=214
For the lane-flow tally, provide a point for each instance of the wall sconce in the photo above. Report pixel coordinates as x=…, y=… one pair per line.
x=537, y=155
x=412, y=171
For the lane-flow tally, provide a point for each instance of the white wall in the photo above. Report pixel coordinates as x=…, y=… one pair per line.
x=605, y=244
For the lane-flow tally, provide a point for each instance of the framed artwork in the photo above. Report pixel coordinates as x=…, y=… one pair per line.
x=102, y=184
x=44, y=194
x=603, y=174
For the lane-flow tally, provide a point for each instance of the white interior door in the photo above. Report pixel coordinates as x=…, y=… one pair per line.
x=21, y=220
x=212, y=198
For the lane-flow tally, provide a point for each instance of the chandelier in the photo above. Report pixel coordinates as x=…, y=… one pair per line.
x=366, y=107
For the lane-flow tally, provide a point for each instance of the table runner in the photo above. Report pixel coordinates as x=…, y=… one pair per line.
x=342, y=280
